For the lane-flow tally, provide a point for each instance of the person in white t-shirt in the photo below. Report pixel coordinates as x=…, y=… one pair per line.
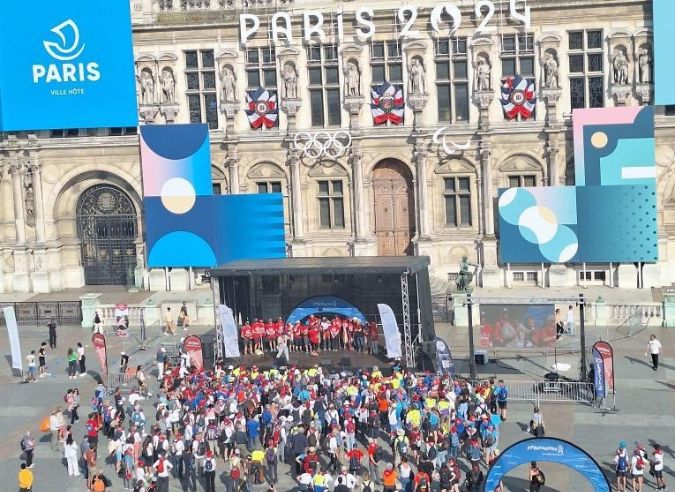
x=654, y=349
x=570, y=320
x=657, y=462
x=637, y=470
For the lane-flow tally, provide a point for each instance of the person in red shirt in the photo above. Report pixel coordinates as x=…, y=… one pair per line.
x=304, y=330
x=355, y=456
x=334, y=329
x=297, y=336
x=373, y=335
x=313, y=333
x=258, y=334
x=247, y=338
x=374, y=457
x=92, y=429
x=358, y=335
x=271, y=335
x=422, y=482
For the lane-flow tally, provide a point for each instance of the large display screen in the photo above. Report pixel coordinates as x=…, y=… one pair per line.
x=517, y=325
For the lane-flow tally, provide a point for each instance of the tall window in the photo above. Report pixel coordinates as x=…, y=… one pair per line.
x=386, y=63
x=452, y=80
x=457, y=195
x=527, y=180
x=518, y=55
x=331, y=205
x=261, y=68
x=324, y=85
x=586, y=58
x=269, y=186
x=202, y=98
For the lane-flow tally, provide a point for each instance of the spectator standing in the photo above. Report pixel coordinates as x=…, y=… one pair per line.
x=70, y=453
x=389, y=478
x=657, y=467
x=637, y=470
x=168, y=322
x=28, y=448
x=160, y=359
x=32, y=369
x=621, y=467
x=654, y=349
x=90, y=458
x=183, y=317
x=71, y=357
x=42, y=359
x=537, y=479
x=84, y=447
x=81, y=359
x=25, y=479
x=97, y=323
x=51, y=326
x=54, y=429
x=502, y=395
x=124, y=362
x=209, y=472
x=569, y=325
x=163, y=468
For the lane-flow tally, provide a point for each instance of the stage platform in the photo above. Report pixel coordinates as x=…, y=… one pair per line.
x=344, y=360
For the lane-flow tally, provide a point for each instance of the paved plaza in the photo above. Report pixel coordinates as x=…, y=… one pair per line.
x=645, y=403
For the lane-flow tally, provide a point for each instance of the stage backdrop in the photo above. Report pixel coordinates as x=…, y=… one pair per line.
x=542, y=450
x=517, y=325
x=325, y=306
x=186, y=224
x=609, y=216
x=71, y=62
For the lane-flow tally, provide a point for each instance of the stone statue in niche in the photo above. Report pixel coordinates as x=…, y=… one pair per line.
x=229, y=83
x=352, y=79
x=620, y=64
x=645, y=62
x=168, y=87
x=29, y=197
x=147, y=87
x=550, y=71
x=482, y=82
x=417, y=77
x=290, y=81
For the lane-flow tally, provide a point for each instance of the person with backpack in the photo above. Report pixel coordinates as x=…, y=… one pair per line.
x=474, y=479
x=400, y=446
x=374, y=458
x=27, y=445
x=162, y=468
x=271, y=463
x=537, y=478
x=367, y=485
x=355, y=455
x=209, y=472
x=621, y=467
x=502, y=395
x=637, y=470
x=657, y=467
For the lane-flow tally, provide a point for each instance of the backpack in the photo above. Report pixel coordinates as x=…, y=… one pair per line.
x=454, y=440
x=489, y=440
x=208, y=465
x=23, y=444
x=235, y=473
x=622, y=464
x=445, y=477
x=367, y=486
x=212, y=432
x=377, y=455
x=201, y=448
x=402, y=446
x=354, y=464
x=640, y=464
x=160, y=466
x=271, y=456
x=432, y=453
x=424, y=484
x=541, y=478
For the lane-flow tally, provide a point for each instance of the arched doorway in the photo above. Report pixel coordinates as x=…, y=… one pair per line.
x=394, y=208
x=106, y=226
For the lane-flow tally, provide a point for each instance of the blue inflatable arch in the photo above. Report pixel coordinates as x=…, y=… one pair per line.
x=545, y=449
x=323, y=306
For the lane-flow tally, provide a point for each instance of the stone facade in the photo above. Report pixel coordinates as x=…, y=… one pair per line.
x=371, y=189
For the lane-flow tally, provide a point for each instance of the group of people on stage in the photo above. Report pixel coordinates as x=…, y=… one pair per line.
x=310, y=335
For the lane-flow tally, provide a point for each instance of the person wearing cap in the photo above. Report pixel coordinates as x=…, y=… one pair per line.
x=209, y=472
x=657, y=467
x=389, y=478
x=637, y=470
x=621, y=467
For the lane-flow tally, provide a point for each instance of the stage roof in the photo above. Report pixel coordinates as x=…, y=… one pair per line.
x=324, y=266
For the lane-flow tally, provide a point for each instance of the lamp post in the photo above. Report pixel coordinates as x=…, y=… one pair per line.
x=582, y=336
x=472, y=350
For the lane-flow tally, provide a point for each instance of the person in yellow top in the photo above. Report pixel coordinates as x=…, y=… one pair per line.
x=414, y=417
x=25, y=479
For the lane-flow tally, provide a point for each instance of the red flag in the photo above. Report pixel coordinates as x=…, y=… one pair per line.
x=193, y=347
x=607, y=354
x=98, y=340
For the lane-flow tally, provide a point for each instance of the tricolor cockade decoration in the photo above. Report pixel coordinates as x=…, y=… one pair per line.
x=262, y=108
x=388, y=104
x=518, y=97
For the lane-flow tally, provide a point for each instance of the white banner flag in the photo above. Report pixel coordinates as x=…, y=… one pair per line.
x=13, y=332
x=392, y=336
x=230, y=333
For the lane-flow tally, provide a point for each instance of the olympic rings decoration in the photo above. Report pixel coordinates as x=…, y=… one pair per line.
x=323, y=144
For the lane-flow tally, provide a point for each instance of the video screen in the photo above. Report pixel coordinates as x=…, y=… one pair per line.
x=517, y=325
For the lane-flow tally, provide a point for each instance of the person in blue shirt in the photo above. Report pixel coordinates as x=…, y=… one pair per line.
x=502, y=394
x=252, y=432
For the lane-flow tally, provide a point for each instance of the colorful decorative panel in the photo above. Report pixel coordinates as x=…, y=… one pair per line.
x=609, y=216
x=186, y=224
x=262, y=109
x=388, y=104
x=664, y=47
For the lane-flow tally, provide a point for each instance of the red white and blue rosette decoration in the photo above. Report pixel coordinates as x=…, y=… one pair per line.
x=518, y=97
x=262, y=108
x=388, y=104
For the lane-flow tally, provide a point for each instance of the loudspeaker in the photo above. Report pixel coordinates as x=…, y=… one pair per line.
x=426, y=357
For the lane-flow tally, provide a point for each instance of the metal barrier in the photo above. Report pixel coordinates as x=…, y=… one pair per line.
x=39, y=313
x=550, y=391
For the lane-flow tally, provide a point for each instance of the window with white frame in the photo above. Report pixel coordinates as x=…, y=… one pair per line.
x=526, y=277
x=261, y=68
x=201, y=93
x=523, y=180
x=386, y=62
x=331, y=204
x=586, y=64
x=457, y=197
x=268, y=186
x=452, y=79
x=324, y=85
x=518, y=55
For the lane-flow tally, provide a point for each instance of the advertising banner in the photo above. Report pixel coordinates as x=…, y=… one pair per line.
x=446, y=364
x=392, y=336
x=519, y=326
x=230, y=332
x=325, y=305
x=542, y=450
x=599, y=374
x=607, y=353
x=193, y=347
x=13, y=333
x=98, y=341
x=71, y=62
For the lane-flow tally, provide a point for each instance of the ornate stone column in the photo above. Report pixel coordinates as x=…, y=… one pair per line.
x=356, y=160
x=549, y=47
x=232, y=163
x=15, y=167
x=420, y=159
x=290, y=100
x=485, y=152
x=552, y=152
x=38, y=201
x=293, y=160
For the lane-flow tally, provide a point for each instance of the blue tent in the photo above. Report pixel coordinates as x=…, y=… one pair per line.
x=324, y=306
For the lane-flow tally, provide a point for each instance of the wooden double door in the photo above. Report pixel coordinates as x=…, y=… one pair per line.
x=394, y=208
